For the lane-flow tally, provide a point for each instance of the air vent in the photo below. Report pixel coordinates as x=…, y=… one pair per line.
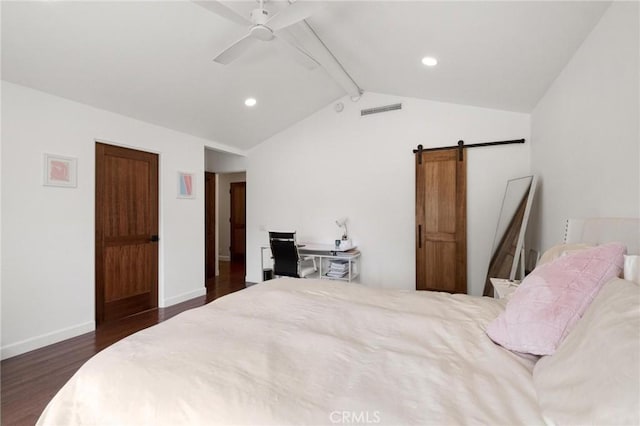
x=377, y=110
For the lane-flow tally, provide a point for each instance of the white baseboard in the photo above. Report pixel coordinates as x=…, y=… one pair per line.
x=224, y=258
x=43, y=340
x=183, y=297
x=23, y=346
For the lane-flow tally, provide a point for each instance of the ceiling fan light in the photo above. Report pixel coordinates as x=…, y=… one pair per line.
x=429, y=61
x=250, y=102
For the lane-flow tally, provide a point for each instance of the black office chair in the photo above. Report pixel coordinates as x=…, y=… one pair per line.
x=286, y=260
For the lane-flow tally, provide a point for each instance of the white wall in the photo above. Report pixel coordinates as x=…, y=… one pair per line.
x=223, y=162
x=48, y=232
x=224, y=210
x=332, y=165
x=585, y=130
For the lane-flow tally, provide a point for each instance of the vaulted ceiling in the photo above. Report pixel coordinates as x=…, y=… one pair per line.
x=153, y=60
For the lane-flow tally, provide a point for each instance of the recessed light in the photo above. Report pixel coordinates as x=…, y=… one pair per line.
x=429, y=61
x=250, y=102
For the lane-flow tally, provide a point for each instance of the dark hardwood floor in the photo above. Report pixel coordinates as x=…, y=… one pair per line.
x=29, y=381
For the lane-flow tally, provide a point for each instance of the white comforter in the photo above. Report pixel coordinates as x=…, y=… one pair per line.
x=308, y=352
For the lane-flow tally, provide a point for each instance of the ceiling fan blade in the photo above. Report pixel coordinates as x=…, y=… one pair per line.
x=234, y=51
x=292, y=14
x=224, y=11
x=299, y=55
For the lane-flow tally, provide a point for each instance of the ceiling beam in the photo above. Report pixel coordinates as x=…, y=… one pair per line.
x=321, y=53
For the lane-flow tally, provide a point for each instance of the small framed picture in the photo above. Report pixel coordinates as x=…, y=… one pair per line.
x=60, y=171
x=186, y=185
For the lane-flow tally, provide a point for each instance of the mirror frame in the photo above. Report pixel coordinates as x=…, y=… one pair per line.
x=519, y=237
x=519, y=255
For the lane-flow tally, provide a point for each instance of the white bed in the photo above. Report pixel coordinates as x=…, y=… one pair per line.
x=308, y=352
x=318, y=352
x=598, y=230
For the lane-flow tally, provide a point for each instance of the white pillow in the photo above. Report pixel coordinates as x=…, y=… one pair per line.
x=632, y=268
x=593, y=377
x=561, y=250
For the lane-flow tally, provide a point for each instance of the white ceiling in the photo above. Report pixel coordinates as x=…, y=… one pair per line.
x=153, y=60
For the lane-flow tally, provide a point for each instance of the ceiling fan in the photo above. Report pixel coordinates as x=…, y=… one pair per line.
x=263, y=27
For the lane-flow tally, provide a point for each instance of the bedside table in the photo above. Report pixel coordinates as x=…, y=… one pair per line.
x=503, y=287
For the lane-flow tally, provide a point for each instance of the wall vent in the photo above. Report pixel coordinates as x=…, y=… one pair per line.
x=377, y=110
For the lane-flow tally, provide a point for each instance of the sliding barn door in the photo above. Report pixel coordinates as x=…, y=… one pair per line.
x=441, y=209
x=126, y=232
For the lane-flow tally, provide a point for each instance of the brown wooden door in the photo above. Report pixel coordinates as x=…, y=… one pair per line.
x=237, y=220
x=126, y=232
x=441, y=237
x=210, y=227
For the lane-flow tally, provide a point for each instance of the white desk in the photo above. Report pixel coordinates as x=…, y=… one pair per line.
x=320, y=247
x=324, y=254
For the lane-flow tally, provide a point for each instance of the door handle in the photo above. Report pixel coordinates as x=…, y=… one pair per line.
x=419, y=236
x=154, y=238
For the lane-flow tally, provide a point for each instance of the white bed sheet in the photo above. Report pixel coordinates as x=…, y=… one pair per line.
x=308, y=352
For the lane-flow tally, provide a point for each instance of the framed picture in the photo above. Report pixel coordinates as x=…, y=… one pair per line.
x=60, y=171
x=186, y=185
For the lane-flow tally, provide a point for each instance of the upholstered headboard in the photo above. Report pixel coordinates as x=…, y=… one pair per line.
x=604, y=230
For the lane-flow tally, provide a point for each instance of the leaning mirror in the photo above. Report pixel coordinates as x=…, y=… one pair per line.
x=508, y=243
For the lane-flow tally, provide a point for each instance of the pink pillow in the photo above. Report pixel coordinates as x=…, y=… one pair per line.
x=550, y=300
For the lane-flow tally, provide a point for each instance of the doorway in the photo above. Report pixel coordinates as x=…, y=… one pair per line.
x=221, y=275
x=126, y=232
x=225, y=250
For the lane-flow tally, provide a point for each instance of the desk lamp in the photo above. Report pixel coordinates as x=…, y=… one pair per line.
x=343, y=224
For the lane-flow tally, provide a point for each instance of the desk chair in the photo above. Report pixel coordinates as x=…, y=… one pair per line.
x=286, y=259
